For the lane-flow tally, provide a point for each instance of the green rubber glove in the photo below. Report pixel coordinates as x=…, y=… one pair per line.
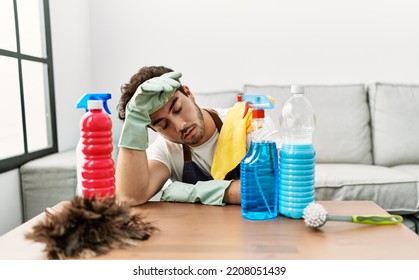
x=205, y=192
x=149, y=97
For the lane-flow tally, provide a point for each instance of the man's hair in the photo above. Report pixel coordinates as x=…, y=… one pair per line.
x=128, y=89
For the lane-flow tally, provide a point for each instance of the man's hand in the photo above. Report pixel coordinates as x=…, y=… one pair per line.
x=149, y=97
x=210, y=192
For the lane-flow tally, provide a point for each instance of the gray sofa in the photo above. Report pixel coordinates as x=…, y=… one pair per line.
x=366, y=141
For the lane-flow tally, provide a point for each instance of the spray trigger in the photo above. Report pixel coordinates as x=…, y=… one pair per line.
x=259, y=101
x=82, y=102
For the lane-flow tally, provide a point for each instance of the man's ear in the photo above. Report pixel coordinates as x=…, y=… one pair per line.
x=188, y=93
x=187, y=90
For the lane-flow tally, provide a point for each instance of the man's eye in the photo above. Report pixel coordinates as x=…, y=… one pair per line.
x=163, y=125
x=177, y=110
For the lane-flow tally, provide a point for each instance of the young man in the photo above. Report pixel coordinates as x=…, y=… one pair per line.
x=183, y=151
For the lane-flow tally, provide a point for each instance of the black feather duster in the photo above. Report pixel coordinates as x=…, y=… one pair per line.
x=90, y=227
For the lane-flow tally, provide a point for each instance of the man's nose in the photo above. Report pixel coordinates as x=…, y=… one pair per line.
x=179, y=124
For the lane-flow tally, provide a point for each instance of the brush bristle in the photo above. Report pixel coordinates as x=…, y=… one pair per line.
x=314, y=215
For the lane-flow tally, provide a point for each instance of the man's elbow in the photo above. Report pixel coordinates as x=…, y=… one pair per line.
x=130, y=200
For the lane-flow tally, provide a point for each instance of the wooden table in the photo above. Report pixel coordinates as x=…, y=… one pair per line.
x=195, y=231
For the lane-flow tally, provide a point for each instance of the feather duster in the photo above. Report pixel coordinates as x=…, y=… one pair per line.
x=86, y=228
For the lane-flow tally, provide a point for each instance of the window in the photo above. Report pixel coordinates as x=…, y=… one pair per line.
x=27, y=113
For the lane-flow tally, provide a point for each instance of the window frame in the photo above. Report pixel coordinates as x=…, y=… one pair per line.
x=17, y=161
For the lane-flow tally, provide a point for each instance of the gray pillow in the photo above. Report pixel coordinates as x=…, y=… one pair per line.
x=218, y=99
x=342, y=133
x=395, y=123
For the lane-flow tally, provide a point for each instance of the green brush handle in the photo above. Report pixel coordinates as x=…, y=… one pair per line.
x=377, y=219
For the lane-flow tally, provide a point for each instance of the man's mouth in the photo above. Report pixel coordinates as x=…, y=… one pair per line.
x=188, y=133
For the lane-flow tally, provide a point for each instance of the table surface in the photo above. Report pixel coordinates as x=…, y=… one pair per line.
x=196, y=231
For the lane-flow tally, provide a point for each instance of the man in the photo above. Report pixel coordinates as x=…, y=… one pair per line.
x=184, y=150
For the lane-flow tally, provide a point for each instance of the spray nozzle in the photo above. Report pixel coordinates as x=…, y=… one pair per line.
x=82, y=102
x=258, y=101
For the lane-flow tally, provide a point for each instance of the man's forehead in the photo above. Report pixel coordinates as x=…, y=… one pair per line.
x=166, y=107
x=174, y=97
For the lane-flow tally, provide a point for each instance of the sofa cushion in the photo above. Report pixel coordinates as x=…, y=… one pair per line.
x=342, y=133
x=393, y=189
x=395, y=123
x=412, y=169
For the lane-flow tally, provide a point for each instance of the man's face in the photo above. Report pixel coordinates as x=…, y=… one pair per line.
x=180, y=120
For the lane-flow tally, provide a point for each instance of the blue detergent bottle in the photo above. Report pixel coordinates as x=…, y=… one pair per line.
x=259, y=179
x=297, y=155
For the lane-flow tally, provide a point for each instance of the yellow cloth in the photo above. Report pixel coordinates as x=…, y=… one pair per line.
x=231, y=146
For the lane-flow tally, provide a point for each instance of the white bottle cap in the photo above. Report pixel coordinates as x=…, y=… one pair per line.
x=94, y=104
x=297, y=89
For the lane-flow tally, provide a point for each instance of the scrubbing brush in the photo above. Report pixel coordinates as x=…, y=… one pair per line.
x=315, y=216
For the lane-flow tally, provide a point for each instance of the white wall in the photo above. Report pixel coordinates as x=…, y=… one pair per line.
x=71, y=44
x=222, y=44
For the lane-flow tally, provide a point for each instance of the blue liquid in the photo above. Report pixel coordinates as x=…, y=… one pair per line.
x=259, y=182
x=296, y=183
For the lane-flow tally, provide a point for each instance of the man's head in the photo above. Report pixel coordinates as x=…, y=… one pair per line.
x=180, y=120
x=129, y=89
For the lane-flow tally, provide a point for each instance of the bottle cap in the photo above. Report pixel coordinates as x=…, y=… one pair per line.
x=295, y=89
x=258, y=114
x=94, y=104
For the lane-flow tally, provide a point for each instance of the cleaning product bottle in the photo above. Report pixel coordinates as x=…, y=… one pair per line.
x=297, y=155
x=259, y=180
x=95, y=166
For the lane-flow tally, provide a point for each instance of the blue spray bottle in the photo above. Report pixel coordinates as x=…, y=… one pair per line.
x=83, y=103
x=259, y=177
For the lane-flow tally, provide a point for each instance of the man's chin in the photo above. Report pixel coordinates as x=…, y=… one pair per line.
x=191, y=142
x=194, y=141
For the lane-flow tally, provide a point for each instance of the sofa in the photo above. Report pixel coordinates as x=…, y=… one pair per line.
x=366, y=141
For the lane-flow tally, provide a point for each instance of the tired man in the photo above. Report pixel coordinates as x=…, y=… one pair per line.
x=183, y=151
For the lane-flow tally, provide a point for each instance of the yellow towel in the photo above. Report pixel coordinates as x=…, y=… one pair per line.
x=231, y=146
